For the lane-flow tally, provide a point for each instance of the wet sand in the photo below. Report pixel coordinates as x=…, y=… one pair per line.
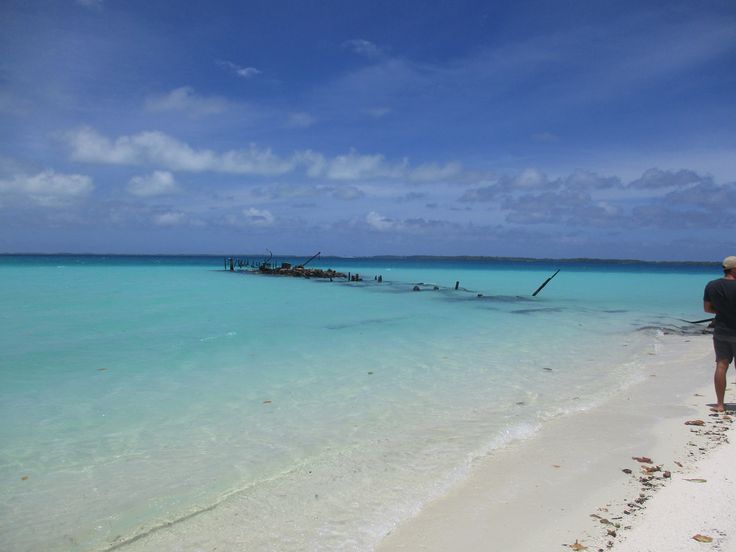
x=576, y=485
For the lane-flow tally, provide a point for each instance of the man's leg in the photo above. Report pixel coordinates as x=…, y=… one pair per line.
x=719, y=379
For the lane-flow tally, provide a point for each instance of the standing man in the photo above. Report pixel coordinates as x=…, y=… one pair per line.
x=719, y=298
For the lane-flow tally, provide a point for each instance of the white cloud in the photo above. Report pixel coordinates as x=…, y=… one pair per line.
x=258, y=217
x=154, y=184
x=242, y=72
x=162, y=150
x=379, y=222
x=353, y=166
x=170, y=218
x=529, y=178
x=157, y=148
x=48, y=188
x=187, y=100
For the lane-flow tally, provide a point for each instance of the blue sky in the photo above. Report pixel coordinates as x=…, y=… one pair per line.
x=539, y=129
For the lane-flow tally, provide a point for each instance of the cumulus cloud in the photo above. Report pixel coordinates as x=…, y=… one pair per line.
x=379, y=222
x=354, y=166
x=703, y=205
x=587, y=180
x=48, y=188
x=160, y=149
x=376, y=222
x=528, y=179
x=656, y=178
x=673, y=199
x=362, y=47
x=154, y=184
x=240, y=71
x=533, y=180
x=258, y=217
x=569, y=207
x=185, y=99
x=157, y=148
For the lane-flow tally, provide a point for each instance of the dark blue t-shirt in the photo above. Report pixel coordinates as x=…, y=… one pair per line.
x=721, y=294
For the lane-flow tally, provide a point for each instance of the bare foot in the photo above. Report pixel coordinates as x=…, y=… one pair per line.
x=718, y=408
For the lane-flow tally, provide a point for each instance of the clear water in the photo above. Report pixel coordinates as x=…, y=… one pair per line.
x=137, y=392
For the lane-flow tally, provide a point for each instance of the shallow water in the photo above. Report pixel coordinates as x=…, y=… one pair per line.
x=138, y=391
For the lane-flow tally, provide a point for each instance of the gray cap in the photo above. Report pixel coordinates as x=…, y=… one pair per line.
x=729, y=263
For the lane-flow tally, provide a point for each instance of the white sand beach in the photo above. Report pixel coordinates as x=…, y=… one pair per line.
x=566, y=485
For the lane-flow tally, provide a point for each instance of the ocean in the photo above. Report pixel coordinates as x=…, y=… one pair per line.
x=149, y=394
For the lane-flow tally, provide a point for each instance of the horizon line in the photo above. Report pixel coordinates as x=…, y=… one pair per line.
x=380, y=256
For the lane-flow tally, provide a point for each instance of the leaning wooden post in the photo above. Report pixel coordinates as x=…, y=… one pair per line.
x=232, y=265
x=457, y=285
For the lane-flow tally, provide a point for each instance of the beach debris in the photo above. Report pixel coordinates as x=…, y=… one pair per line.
x=540, y=288
x=370, y=373
x=651, y=469
x=299, y=271
x=556, y=466
x=416, y=288
x=626, y=470
x=267, y=402
x=695, y=422
x=678, y=463
x=24, y=478
x=611, y=532
x=642, y=459
x=696, y=480
x=667, y=475
x=547, y=369
x=702, y=538
x=102, y=369
x=577, y=546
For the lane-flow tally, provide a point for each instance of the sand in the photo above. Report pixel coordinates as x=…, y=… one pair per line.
x=567, y=484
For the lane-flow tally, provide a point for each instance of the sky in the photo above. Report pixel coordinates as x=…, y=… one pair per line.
x=528, y=129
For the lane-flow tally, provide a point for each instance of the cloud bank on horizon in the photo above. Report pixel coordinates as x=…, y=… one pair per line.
x=533, y=129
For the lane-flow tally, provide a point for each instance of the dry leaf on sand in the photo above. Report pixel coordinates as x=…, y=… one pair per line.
x=702, y=538
x=642, y=459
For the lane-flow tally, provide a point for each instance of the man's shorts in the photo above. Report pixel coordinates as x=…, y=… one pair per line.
x=725, y=349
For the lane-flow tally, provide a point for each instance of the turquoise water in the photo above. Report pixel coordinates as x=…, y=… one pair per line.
x=137, y=392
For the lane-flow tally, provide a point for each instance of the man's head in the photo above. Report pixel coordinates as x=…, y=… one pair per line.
x=729, y=265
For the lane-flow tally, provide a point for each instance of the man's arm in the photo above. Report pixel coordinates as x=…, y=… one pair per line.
x=708, y=307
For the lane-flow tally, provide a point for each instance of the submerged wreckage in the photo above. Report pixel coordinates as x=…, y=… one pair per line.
x=286, y=269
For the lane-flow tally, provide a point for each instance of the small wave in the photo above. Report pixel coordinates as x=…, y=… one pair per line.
x=212, y=338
